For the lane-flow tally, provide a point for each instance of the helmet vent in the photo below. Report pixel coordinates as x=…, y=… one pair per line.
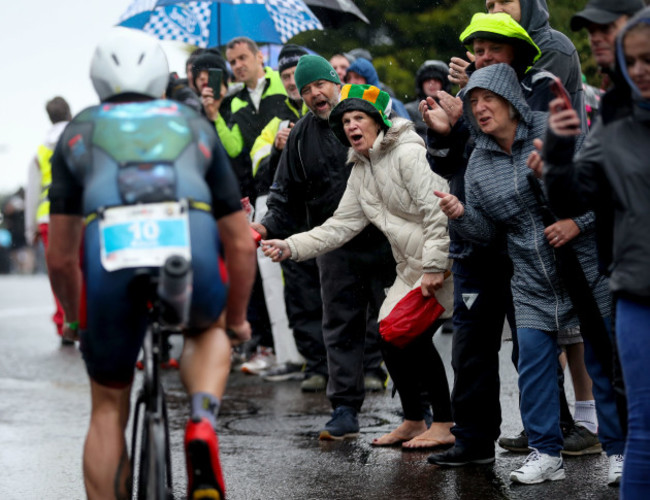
x=117, y=61
x=141, y=58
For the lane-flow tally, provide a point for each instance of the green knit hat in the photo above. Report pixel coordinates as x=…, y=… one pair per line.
x=311, y=68
x=500, y=27
x=366, y=98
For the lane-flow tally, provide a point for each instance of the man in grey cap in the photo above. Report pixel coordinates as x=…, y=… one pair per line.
x=603, y=19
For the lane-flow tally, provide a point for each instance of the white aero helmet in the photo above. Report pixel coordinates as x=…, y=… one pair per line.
x=128, y=60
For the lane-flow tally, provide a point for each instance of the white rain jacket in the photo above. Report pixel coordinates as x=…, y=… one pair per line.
x=393, y=190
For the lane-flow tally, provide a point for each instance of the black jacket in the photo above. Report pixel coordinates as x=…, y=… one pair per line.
x=610, y=175
x=559, y=55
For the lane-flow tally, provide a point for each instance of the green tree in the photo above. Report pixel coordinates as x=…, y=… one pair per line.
x=403, y=34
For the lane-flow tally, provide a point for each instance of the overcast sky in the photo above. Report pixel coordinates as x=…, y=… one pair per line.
x=45, y=50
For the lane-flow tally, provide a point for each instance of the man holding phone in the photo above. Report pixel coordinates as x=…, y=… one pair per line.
x=207, y=68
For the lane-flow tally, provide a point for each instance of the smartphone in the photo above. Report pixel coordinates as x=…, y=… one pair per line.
x=559, y=91
x=215, y=76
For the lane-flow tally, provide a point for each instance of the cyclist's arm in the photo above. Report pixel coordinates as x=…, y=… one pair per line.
x=241, y=264
x=63, y=262
x=66, y=231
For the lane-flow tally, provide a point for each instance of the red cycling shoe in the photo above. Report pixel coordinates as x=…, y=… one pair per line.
x=204, y=477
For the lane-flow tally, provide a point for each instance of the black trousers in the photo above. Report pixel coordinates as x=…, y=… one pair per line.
x=353, y=284
x=305, y=312
x=417, y=371
x=482, y=300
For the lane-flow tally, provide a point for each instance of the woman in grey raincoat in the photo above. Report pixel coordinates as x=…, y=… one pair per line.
x=499, y=199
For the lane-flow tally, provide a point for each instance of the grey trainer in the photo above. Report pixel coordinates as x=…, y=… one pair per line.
x=314, y=383
x=581, y=441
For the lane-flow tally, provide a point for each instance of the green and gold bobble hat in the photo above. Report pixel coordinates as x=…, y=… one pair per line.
x=366, y=98
x=500, y=27
x=312, y=68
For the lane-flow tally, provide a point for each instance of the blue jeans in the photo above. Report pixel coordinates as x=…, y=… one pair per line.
x=633, y=334
x=540, y=409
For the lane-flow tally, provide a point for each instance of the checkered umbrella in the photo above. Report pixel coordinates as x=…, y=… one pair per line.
x=213, y=23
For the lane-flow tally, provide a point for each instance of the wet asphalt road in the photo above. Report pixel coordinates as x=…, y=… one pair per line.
x=268, y=431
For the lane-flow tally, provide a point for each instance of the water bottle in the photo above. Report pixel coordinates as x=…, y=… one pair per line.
x=175, y=290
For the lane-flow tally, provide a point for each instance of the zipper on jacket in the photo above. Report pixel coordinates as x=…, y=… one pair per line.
x=537, y=251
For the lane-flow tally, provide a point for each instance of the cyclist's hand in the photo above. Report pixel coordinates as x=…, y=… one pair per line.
x=260, y=229
x=240, y=333
x=70, y=331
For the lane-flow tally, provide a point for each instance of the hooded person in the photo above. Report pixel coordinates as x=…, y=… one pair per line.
x=430, y=77
x=558, y=54
x=206, y=60
x=609, y=175
x=308, y=185
x=362, y=71
x=389, y=164
x=504, y=128
x=482, y=270
x=502, y=28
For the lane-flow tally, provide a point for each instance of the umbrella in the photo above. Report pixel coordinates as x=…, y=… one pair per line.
x=213, y=23
x=333, y=13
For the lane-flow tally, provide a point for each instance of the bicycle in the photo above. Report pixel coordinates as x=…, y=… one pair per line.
x=153, y=463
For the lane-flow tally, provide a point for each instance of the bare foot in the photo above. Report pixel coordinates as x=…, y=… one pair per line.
x=439, y=434
x=407, y=430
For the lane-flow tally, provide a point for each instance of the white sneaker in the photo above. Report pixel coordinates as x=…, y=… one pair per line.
x=262, y=360
x=615, y=470
x=539, y=467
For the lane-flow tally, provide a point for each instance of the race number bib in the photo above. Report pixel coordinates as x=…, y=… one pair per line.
x=144, y=235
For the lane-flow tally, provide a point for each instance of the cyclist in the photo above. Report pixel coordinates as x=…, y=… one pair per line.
x=133, y=151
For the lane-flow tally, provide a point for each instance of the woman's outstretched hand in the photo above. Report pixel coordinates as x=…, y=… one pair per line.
x=450, y=205
x=277, y=250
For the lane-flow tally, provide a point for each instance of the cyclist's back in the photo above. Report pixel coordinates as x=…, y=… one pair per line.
x=149, y=177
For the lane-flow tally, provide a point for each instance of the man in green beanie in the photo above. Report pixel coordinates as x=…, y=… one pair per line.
x=310, y=180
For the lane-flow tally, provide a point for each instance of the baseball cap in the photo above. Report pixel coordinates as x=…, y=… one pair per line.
x=605, y=12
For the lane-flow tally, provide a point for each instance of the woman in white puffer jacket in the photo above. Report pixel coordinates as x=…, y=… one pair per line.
x=391, y=186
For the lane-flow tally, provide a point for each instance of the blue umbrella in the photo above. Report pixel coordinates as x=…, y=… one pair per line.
x=213, y=23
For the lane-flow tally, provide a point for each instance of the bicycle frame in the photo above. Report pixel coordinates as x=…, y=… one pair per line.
x=154, y=457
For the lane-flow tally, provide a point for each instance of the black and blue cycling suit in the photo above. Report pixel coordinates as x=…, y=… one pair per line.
x=117, y=154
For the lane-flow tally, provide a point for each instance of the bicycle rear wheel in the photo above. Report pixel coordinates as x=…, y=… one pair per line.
x=158, y=473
